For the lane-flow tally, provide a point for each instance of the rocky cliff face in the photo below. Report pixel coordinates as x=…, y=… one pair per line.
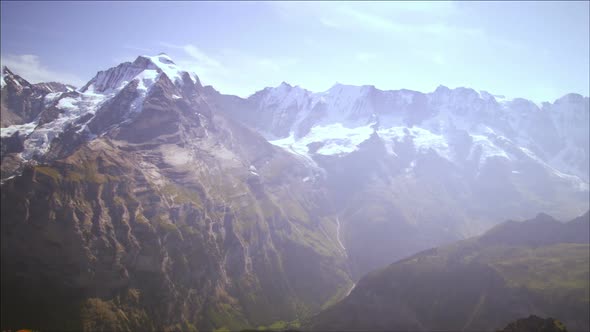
x=21, y=101
x=135, y=206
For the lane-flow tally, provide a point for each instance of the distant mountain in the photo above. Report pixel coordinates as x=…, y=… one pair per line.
x=128, y=204
x=410, y=170
x=54, y=87
x=21, y=101
x=517, y=269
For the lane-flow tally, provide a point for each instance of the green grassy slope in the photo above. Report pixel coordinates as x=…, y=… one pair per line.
x=477, y=284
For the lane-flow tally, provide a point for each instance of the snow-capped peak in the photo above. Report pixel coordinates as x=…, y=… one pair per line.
x=171, y=69
x=84, y=103
x=116, y=78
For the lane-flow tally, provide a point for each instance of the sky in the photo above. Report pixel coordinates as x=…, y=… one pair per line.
x=535, y=50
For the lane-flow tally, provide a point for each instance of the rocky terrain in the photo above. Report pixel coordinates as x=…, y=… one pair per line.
x=133, y=206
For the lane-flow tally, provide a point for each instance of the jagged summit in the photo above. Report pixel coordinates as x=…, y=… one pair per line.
x=9, y=76
x=4, y=71
x=147, y=69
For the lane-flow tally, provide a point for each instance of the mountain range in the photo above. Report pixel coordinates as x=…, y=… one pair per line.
x=145, y=199
x=409, y=170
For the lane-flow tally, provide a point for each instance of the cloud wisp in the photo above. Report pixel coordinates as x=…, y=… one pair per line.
x=230, y=70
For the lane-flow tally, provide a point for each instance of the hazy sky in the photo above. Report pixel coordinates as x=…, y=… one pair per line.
x=536, y=50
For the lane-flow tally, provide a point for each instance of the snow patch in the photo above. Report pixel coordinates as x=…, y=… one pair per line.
x=173, y=71
x=423, y=139
x=39, y=140
x=575, y=181
x=51, y=97
x=253, y=170
x=23, y=129
x=488, y=148
x=335, y=139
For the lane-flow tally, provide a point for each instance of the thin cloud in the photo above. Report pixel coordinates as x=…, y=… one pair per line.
x=428, y=19
x=229, y=70
x=201, y=57
x=329, y=23
x=437, y=57
x=140, y=49
x=29, y=67
x=391, y=21
x=366, y=56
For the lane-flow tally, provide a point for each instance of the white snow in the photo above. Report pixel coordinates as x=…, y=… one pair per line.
x=67, y=103
x=23, y=129
x=336, y=139
x=50, y=97
x=423, y=139
x=107, y=85
x=252, y=169
x=173, y=71
x=341, y=119
x=574, y=180
x=39, y=140
x=488, y=148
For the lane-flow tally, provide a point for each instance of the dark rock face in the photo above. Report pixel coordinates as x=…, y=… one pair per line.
x=535, y=324
x=12, y=144
x=22, y=102
x=55, y=86
x=114, y=111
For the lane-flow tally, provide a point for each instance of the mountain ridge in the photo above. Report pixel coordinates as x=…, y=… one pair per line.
x=474, y=284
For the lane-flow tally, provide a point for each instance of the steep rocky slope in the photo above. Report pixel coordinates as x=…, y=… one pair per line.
x=538, y=267
x=129, y=204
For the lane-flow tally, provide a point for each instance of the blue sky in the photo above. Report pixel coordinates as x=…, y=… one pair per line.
x=536, y=50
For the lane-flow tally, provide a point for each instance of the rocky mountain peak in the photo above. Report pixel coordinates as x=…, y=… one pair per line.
x=114, y=79
x=12, y=80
